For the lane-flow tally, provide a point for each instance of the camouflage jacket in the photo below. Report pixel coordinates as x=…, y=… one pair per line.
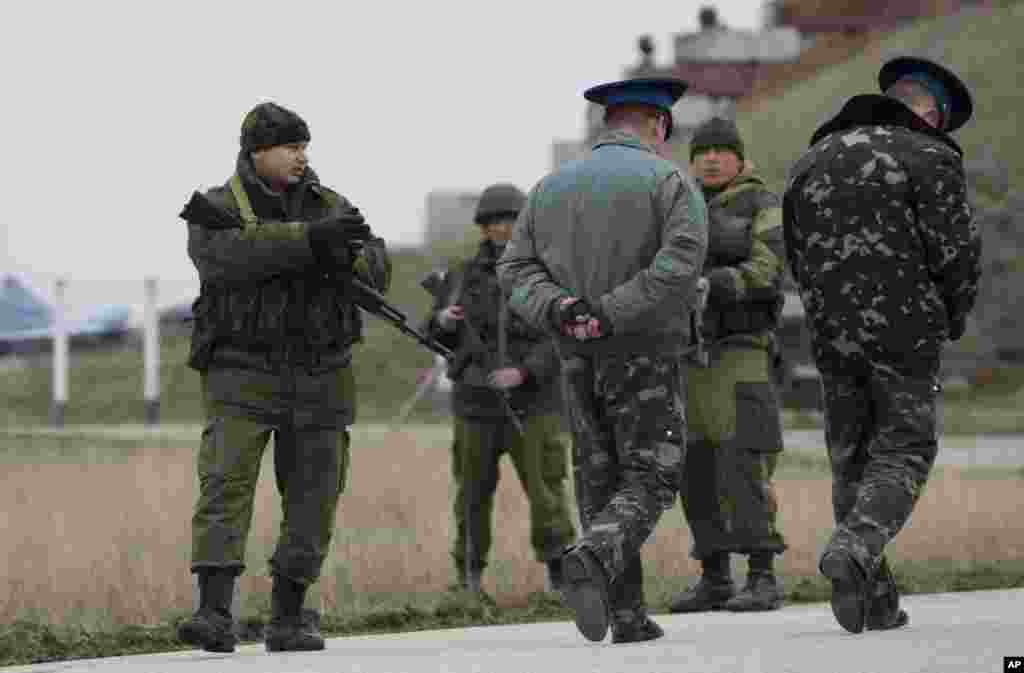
x=621, y=228
x=474, y=285
x=263, y=299
x=880, y=238
x=745, y=263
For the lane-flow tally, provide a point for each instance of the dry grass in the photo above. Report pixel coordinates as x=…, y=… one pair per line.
x=103, y=536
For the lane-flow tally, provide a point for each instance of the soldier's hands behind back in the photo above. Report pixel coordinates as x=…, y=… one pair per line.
x=575, y=318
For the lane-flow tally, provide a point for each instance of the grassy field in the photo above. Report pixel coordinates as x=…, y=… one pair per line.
x=97, y=540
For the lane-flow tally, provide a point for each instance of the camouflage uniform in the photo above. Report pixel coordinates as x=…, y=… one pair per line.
x=625, y=231
x=879, y=237
x=483, y=429
x=735, y=430
x=272, y=340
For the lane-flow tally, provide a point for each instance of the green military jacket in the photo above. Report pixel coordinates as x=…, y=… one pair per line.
x=264, y=301
x=474, y=285
x=745, y=263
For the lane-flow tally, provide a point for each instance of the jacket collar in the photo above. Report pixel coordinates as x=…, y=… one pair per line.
x=878, y=110
x=265, y=201
x=622, y=138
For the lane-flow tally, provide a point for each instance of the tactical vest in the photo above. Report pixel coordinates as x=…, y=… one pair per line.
x=295, y=319
x=730, y=242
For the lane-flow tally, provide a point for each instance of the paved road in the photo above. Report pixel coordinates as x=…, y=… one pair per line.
x=957, y=450
x=948, y=633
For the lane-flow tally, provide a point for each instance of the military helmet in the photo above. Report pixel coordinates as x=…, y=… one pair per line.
x=269, y=124
x=499, y=200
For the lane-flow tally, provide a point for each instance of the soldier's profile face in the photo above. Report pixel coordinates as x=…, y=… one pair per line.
x=281, y=164
x=716, y=167
x=498, y=231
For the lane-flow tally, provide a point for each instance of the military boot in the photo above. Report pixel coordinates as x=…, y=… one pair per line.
x=636, y=630
x=554, y=580
x=211, y=627
x=850, y=589
x=884, y=608
x=291, y=629
x=761, y=592
x=711, y=592
x=586, y=592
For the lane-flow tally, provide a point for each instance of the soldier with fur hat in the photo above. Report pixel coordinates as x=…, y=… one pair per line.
x=272, y=339
x=880, y=239
x=606, y=257
x=735, y=429
x=505, y=400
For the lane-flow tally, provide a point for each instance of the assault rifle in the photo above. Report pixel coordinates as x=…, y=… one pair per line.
x=200, y=210
x=476, y=350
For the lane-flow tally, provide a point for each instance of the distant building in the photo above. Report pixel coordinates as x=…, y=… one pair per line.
x=449, y=215
x=719, y=63
x=813, y=17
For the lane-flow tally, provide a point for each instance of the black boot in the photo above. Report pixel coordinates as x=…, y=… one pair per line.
x=291, y=629
x=637, y=630
x=884, y=608
x=712, y=591
x=762, y=591
x=586, y=592
x=211, y=627
x=555, y=580
x=850, y=589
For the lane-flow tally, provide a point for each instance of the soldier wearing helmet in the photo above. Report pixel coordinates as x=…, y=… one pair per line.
x=504, y=401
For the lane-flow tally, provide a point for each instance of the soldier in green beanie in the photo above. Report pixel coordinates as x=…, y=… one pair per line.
x=272, y=339
x=731, y=405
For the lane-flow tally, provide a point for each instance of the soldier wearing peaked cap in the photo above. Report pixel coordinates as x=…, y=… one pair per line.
x=272, y=339
x=497, y=354
x=605, y=257
x=880, y=239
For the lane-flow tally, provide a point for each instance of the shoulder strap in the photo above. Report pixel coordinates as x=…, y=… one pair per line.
x=242, y=200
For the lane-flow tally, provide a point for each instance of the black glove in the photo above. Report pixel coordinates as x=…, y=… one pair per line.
x=332, y=237
x=576, y=313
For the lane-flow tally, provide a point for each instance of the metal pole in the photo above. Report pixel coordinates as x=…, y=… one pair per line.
x=151, y=356
x=60, y=357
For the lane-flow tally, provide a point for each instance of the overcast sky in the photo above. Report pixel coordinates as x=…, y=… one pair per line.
x=113, y=112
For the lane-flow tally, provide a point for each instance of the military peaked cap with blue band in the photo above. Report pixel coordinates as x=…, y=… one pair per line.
x=658, y=92
x=951, y=94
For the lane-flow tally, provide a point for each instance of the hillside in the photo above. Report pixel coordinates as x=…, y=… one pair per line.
x=984, y=48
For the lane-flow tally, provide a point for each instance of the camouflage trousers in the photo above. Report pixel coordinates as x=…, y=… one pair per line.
x=629, y=440
x=539, y=457
x=734, y=436
x=881, y=436
x=306, y=414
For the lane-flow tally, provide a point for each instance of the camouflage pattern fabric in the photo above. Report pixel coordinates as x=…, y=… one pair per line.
x=306, y=414
x=629, y=427
x=540, y=460
x=734, y=435
x=881, y=438
x=880, y=240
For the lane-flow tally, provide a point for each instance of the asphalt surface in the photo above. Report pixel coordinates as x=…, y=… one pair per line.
x=948, y=633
